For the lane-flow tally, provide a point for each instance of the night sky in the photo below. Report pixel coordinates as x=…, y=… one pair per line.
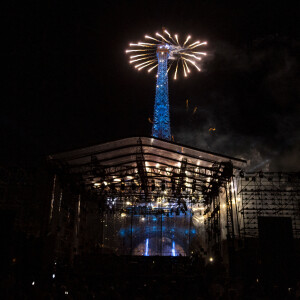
x=68, y=83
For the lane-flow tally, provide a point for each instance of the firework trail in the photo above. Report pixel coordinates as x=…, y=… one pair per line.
x=182, y=56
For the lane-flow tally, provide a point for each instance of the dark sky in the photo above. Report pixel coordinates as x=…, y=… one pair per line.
x=68, y=83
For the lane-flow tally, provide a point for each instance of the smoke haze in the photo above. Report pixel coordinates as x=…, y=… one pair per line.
x=251, y=97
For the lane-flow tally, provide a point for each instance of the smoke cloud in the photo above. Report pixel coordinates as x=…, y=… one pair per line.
x=250, y=96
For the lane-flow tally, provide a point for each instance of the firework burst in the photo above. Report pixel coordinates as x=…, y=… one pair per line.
x=182, y=56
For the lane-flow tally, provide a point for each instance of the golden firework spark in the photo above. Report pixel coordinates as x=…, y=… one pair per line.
x=143, y=53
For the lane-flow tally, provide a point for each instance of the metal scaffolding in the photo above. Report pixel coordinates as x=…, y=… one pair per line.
x=268, y=195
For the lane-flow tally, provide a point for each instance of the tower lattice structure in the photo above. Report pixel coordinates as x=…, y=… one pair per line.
x=161, y=122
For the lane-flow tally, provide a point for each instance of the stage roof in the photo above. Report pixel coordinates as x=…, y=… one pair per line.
x=145, y=160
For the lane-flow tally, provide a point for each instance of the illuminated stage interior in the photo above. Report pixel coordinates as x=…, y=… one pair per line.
x=145, y=197
x=140, y=196
x=165, y=234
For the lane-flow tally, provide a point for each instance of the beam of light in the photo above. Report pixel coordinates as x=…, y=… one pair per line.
x=167, y=33
x=259, y=165
x=170, y=36
x=150, y=63
x=152, y=38
x=149, y=70
x=173, y=249
x=176, y=37
x=145, y=62
x=147, y=248
x=204, y=43
x=187, y=39
x=142, y=58
x=136, y=50
x=187, y=68
x=193, y=63
x=141, y=43
x=175, y=75
x=162, y=37
x=196, y=43
x=146, y=65
x=139, y=55
x=201, y=53
x=192, y=55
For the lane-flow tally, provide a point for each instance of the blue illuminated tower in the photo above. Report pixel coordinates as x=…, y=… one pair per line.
x=161, y=121
x=157, y=52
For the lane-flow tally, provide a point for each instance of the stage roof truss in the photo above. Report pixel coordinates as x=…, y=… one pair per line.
x=150, y=165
